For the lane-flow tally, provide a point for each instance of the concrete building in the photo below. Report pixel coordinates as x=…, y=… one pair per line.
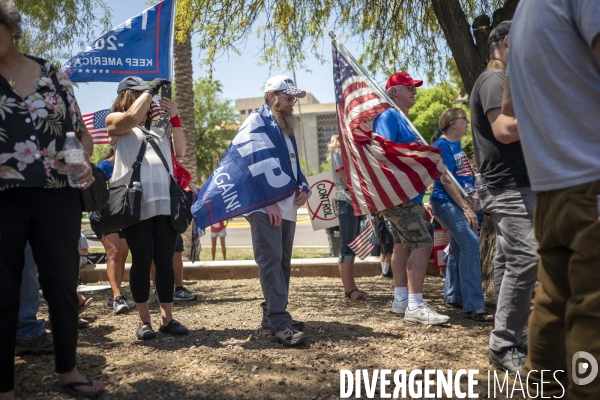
x=318, y=124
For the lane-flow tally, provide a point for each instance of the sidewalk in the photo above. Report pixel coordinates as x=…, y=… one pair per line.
x=247, y=269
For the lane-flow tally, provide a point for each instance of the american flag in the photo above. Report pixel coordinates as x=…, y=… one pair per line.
x=361, y=245
x=96, y=125
x=380, y=173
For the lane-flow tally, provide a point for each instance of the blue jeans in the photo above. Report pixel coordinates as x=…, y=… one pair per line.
x=29, y=327
x=463, y=271
x=349, y=229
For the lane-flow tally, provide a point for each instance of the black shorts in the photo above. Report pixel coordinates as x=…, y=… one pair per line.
x=179, y=244
x=99, y=234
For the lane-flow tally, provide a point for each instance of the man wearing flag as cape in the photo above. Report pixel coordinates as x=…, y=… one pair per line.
x=388, y=167
x=260, y=177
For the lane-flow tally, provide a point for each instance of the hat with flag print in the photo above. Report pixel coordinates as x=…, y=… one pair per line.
x=282, y=83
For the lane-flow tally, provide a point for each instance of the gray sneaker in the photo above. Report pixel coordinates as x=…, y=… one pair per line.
x=184, y=295
x=111, y=302
x=120, y=305
x=289, y=337
x=297, y=325
x=510, y=359
x=426, y=315
x=399, y=307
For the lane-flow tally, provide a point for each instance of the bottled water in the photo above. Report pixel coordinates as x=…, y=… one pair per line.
x=74, y=159
x=479, y=183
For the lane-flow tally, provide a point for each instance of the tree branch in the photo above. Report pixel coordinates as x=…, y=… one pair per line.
x=457, y=32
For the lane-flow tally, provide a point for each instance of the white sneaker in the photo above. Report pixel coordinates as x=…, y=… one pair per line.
x=399, y=307
x=426, y=315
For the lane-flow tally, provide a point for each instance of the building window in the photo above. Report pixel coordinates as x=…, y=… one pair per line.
x=326, y=127
x=243, y=112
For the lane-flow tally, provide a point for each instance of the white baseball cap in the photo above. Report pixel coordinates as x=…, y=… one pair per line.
x=282, y=83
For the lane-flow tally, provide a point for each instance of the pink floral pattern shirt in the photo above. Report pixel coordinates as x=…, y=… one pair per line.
x=33, y=131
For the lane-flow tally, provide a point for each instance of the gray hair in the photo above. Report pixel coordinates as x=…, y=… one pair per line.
x=11, y=17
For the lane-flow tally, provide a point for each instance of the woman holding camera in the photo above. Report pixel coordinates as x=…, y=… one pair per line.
x=153, y=237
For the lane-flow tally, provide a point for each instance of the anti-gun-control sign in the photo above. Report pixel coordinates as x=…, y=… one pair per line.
x=320, y=204
x=140, y=46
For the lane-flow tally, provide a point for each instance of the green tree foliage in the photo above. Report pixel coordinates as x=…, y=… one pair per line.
x=53, y=27
x=429, y=105
x=216, y=125
x=396, y=34
x=100, y=151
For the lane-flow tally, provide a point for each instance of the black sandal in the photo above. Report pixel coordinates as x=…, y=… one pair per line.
x=453, y=305
x=362, y=295
x=69, y=388
x=480, y=317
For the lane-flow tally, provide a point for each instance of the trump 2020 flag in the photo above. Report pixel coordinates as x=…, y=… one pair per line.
x=140, y=46
x=256, y=171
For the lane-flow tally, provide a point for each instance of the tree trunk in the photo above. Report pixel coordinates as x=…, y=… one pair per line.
x=469, y=49
x=184, y=92
x=184, y=95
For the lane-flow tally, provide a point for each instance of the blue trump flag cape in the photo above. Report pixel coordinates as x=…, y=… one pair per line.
x=140, y=46
x=255, y=172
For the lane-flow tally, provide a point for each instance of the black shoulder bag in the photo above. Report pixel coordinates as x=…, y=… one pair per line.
x=125, y=200
x=96, y=195
x=181, y=204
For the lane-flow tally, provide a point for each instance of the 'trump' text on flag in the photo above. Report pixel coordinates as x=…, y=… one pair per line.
x=253, y=173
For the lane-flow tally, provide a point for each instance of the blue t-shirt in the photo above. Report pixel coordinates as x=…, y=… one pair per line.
x=107, y=167
x=457, y=163
x=392, y=126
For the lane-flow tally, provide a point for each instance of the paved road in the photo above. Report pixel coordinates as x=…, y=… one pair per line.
x=240, y=236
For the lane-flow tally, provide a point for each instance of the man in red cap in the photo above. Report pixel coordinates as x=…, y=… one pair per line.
x=412, y=241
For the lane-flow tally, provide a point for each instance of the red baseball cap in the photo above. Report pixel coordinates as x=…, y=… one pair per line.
x=402, y=78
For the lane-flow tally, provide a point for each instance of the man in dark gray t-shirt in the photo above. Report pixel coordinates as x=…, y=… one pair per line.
x=510, y=200
x=501, y=164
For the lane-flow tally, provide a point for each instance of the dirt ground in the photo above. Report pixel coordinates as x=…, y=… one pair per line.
x=228, y=356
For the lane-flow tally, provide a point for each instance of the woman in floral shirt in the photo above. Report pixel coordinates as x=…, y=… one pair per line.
x=37, y=109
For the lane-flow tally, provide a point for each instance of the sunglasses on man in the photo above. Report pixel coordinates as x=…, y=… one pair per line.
x=290, y=99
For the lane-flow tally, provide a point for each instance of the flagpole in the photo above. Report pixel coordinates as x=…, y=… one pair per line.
x=384, y=95
x=300, y=118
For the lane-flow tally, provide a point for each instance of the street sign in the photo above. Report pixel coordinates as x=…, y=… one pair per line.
x=320, y=204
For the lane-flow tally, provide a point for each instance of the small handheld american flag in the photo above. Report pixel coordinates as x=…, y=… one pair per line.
x=361, y=245
x=96, y=125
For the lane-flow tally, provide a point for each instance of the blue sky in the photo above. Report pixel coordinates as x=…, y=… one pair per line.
x=240, y=75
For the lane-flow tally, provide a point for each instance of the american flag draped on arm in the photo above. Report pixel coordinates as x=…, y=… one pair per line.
x=380, y=173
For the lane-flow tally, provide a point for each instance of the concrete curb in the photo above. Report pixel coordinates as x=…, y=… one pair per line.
x=219, y=270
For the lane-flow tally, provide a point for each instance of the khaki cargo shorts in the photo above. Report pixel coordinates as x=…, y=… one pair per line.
x=408, y=226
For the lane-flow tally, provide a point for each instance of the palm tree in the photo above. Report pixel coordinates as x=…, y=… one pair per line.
x=185, y=99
